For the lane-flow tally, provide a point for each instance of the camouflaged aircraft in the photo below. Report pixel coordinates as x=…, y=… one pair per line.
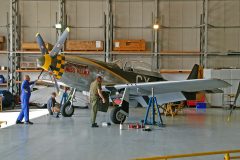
x=135, y=83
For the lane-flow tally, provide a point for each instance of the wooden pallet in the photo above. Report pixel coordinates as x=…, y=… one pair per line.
x=129, y=45
x=1, y=122
x=33, y=46
x=78, y=45
x=172, y=109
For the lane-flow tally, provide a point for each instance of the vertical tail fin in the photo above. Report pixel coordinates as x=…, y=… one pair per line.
x=194, y=72
x=192, y=75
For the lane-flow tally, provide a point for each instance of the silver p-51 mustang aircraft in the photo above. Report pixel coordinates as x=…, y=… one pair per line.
x=78, y=72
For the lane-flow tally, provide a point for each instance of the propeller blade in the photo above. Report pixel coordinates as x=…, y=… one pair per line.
x=58, y=46
x=56, y=84
x=237, y=95
x=41, y=44
x=36, y=80
x=54, y=79
x=235, y=102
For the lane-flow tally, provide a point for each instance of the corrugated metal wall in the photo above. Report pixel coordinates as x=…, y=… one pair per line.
x=133, y=20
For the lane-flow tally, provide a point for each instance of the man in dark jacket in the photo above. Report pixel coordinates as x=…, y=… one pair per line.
x=25, y=96
x=52, y=105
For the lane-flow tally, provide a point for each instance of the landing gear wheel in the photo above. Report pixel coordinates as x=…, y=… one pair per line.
x=67, y=109
x=41, y=106
x=116, y=116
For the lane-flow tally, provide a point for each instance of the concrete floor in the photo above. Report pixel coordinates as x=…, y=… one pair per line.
x=73, y=138
x=10, y=116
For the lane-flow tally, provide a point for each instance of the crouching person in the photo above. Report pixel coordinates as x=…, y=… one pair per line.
x=53, y=106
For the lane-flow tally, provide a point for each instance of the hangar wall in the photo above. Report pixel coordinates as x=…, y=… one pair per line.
x=133, y=20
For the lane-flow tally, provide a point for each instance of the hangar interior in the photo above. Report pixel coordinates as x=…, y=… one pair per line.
x=174, y=35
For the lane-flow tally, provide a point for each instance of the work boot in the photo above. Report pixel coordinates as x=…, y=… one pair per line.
x=94, y=125
x=29, y=122
x=19, y=122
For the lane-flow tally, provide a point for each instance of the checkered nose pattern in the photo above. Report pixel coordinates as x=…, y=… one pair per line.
x=59, y=69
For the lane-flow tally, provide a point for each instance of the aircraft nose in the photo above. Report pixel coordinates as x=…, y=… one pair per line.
x=40, y=61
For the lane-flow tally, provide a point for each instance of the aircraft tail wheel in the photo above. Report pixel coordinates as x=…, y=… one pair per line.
x=116, y=116
x=67, y=109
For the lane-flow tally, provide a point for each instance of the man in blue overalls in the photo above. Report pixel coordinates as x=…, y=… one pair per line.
x=25, y=96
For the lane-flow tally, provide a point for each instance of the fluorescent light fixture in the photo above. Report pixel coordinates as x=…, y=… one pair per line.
x=58, y=26
x=156, y=26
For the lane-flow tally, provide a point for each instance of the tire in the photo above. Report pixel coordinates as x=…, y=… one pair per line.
x=41, y=106
x=116, y=116
x=67, y=109
x=8, y=99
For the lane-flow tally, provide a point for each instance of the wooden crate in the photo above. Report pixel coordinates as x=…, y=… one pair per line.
x=2, y=39
x=33, y=46
x=28, y=65
x=78, y=45
x=200, y=96
x=129, y=45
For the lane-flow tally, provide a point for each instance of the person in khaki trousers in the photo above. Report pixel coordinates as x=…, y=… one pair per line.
x=95, y=95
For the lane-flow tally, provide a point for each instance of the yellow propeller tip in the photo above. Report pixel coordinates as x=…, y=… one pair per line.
x=68, y=29
x=37, y=34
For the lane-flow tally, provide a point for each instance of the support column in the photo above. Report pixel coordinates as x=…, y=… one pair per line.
x=108, y=31
x=14, y=45
x=61, y=16
x=155, y=57
x=204, y=35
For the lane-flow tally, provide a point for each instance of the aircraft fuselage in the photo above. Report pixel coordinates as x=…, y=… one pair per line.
x=80, y=72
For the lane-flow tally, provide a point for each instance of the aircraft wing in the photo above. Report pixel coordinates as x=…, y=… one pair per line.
x=163, y=87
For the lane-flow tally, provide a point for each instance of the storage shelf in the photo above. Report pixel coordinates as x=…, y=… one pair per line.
x=84, y=52
x=149, y=53
x=30, y=70
x=196, y=53
x=175, y=71
x=25, y=70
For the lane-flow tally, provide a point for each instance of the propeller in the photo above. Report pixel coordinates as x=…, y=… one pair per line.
x=234, y=105
x=58, y=46
x=41, y=44
x=46, y=60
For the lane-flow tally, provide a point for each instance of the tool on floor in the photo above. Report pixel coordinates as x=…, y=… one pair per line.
x=1, y=122
x=121, y=126
x=106, y=124
x=142, y=121
x=134, y=126
x=151, y=105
